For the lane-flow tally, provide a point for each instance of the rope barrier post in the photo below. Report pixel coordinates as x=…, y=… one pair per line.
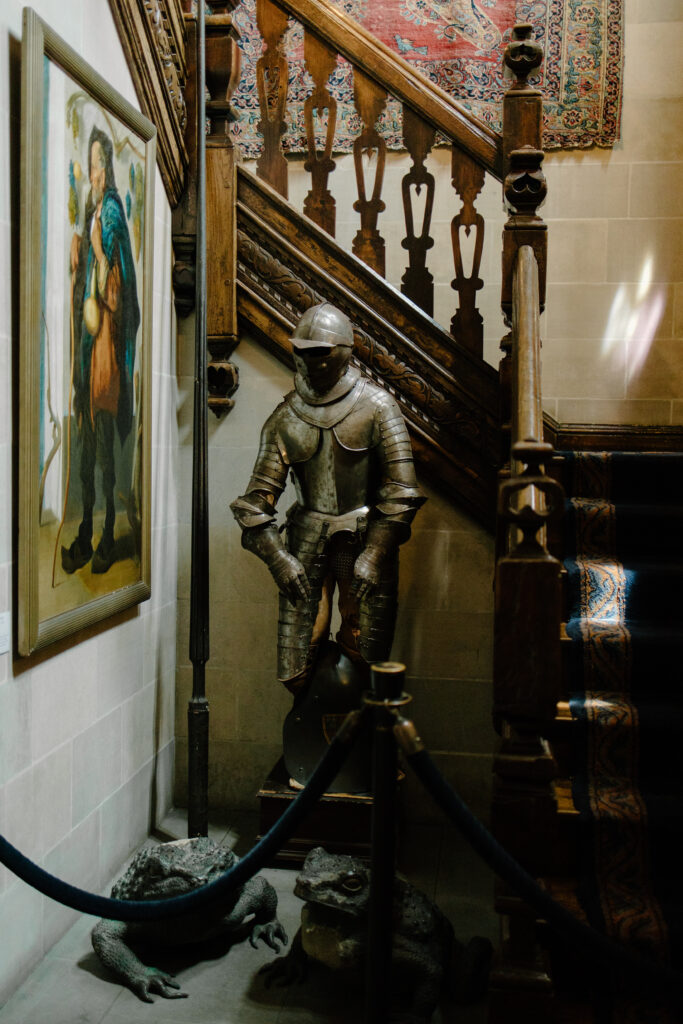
x=385, y=695
x=198, y=708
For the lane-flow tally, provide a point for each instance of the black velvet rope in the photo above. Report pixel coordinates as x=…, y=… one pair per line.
x=587, y=940
x=157, y=910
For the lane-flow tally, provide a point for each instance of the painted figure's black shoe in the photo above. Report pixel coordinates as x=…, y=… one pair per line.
x=104, y=556
x=76, y=556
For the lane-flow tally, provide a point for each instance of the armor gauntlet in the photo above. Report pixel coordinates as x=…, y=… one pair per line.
x=255, y=515
x=381, y=543
x=286, y=570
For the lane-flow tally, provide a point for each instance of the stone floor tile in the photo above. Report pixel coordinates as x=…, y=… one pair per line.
x=62, y=992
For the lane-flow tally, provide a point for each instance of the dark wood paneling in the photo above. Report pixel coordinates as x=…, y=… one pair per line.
x=616, y=438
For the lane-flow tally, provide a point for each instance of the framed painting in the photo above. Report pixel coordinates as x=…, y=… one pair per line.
x=87, y=215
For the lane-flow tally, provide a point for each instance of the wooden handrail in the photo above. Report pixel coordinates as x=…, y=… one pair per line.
x=527, y=496
x=528, y=418
x=399, y=78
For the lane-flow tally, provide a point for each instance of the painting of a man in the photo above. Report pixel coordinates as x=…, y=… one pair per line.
x=105, y=321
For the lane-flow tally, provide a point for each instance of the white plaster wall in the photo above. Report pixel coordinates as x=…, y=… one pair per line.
x=613, y=327
x=86, y=728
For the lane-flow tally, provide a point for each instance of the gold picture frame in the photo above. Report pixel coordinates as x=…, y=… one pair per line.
x=86, y=248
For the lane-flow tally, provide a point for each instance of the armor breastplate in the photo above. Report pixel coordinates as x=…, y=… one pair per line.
x=335, y=479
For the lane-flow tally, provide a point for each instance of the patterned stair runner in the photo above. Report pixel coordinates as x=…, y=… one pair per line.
x=625, y=572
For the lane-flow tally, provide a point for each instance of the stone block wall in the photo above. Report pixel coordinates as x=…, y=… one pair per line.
x=86, y=726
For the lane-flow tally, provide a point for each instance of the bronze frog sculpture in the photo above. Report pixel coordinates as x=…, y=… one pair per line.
x=425, y=955
x=172, y=869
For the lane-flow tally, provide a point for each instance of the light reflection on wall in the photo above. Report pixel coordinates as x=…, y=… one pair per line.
x=633, y=321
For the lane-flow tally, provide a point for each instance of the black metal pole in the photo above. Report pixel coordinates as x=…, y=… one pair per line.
x=387, y=687
x=198, y=709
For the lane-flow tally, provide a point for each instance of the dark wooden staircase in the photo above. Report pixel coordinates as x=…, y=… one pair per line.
x=449, y=398
x=478, y=433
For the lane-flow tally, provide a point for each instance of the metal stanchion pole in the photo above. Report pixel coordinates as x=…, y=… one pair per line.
x=386, y=694
x=198, y=708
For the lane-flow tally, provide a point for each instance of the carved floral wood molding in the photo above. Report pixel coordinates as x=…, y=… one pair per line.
x=153, y=37
x=435, y=409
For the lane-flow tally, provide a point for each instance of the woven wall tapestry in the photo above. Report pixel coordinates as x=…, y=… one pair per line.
x=459, y=44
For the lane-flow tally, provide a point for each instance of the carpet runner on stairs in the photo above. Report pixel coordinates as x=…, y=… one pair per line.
x=625, y=570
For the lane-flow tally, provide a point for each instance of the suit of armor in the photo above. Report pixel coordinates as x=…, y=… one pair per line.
x=349, y=453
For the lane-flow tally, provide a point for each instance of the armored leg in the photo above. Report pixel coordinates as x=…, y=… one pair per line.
x=378, y=616
x=298, y=622
x=343, y=558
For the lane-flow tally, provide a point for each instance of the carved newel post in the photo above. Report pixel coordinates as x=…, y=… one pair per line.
x=527, y=580
x=524, y=189
x=222, y=76
x=524, y=185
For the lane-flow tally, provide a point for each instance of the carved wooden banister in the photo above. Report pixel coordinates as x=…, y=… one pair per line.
x=400, y=79
x=378, y=74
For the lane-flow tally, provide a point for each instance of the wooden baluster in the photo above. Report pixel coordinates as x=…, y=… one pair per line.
x=320, y=60
x=467, y=326
x=272, y=83
x=417, y=282
x=222, y=76
x=370, y=100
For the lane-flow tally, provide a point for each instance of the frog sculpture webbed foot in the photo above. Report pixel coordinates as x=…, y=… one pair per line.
x=173, y=869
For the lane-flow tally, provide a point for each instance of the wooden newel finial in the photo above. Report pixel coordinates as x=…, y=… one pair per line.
x=523, y=54
x=222, y=66
x=525, y=186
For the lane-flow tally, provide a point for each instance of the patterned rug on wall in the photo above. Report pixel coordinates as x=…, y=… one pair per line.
x=459, y=44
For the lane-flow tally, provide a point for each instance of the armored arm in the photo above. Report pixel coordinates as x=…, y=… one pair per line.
x=255, y=514
x=397, y=497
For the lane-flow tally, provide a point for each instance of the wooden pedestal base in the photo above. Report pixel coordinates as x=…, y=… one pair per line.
x=340, y=822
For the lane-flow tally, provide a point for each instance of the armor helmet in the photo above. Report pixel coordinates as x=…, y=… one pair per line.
x=323, y=326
